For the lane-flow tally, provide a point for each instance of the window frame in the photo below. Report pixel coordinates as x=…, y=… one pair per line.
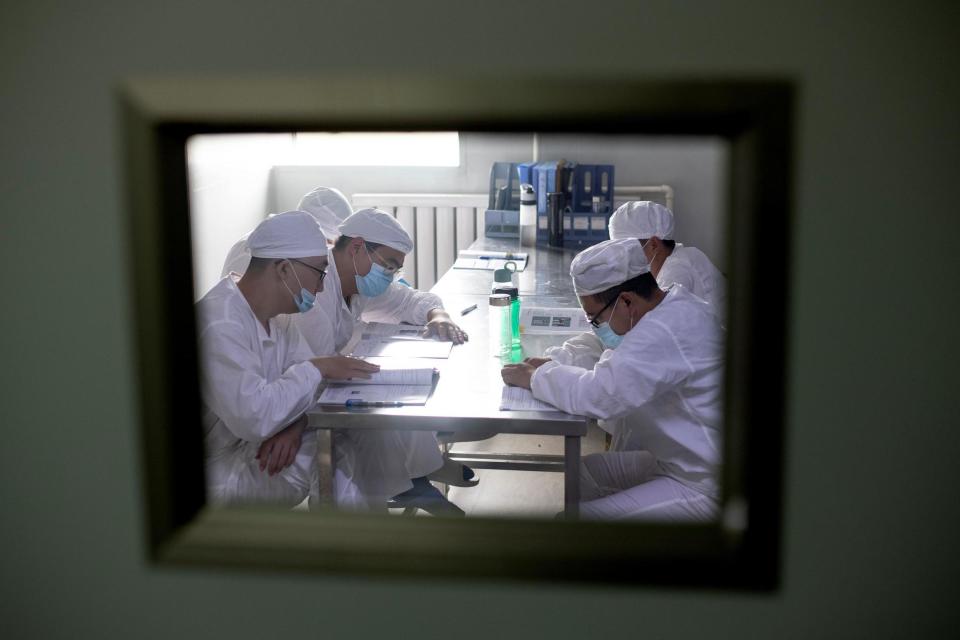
x=742, y=551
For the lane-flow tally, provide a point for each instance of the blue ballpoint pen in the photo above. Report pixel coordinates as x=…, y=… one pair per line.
x=364, y=403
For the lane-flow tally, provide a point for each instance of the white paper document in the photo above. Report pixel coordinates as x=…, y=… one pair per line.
x=402, y=348
x=520, y=399
x=489, y=260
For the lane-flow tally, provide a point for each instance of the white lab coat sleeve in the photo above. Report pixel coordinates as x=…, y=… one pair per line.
x=581, y=351
x=676, y=272
x=400, y=303
x=250, y=407
x=298, y=349
x=647, y=363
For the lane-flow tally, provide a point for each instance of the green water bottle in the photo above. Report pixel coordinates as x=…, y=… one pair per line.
x=515, y=350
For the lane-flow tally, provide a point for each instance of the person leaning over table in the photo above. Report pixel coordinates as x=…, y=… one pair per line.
x=258, y=374
x=657, y=387
x=382, y=464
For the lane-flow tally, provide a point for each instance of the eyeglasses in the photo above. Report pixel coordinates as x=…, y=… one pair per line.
x=593, y=321
x=323, y=274
x=387, y=267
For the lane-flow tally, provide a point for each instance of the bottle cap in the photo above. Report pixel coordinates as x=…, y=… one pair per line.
x=527, y=194
x=499, y=300
x=505, y=274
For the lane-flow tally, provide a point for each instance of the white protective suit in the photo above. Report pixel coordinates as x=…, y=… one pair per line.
x=665, y=381
x=253, y=385
x=379, y=463
x=690, y=267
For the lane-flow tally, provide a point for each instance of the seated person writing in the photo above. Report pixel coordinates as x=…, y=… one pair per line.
x=657, y=387
x=362, y=287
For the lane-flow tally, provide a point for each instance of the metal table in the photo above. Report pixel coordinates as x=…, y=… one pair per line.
x=467, y=395
x=547, y=275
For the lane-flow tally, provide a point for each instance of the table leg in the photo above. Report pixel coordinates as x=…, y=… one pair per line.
x=325, y=464
x=571, y=477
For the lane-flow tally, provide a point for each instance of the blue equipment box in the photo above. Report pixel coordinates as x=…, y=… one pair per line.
x=583, y=229
x=525, y=173
x=592, y=183
x=591, y=203
x=498, y=223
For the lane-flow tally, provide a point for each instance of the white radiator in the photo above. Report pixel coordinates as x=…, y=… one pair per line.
x=444, y=223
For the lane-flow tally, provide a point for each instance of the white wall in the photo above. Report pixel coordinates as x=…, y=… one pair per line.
x=229, y=185
x=477, y=153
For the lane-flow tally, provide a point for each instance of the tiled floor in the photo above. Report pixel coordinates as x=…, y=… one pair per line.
x=518, y=493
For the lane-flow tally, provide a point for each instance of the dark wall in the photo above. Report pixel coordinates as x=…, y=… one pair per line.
x=871, y=507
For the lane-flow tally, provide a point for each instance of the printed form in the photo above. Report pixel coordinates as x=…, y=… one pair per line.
x=520, y=399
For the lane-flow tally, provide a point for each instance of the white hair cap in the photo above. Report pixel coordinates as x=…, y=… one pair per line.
x=291, y=234
x=641, y=219
x=606, y=265
x=329, y=206
x=374, y=225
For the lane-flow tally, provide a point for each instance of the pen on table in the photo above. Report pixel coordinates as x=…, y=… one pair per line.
x=468, y=309
x=364, y=403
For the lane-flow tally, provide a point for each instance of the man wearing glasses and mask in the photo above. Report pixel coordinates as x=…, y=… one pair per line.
x=363, y=285
x=258, y=374
x=656, y=388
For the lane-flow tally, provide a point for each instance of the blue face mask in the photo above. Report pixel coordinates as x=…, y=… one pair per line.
x=305, y=300
x=376, y=282
x=609, y=338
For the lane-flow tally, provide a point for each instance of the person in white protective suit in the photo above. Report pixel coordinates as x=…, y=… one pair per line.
x=327, y=205
x=670, y=262
x=258, y=373
x=662, y=373
x=366, y=259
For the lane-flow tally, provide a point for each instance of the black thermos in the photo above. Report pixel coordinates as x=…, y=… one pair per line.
x=555, y=218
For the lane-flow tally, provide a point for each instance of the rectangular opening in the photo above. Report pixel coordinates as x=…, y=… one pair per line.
x=178, y=251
